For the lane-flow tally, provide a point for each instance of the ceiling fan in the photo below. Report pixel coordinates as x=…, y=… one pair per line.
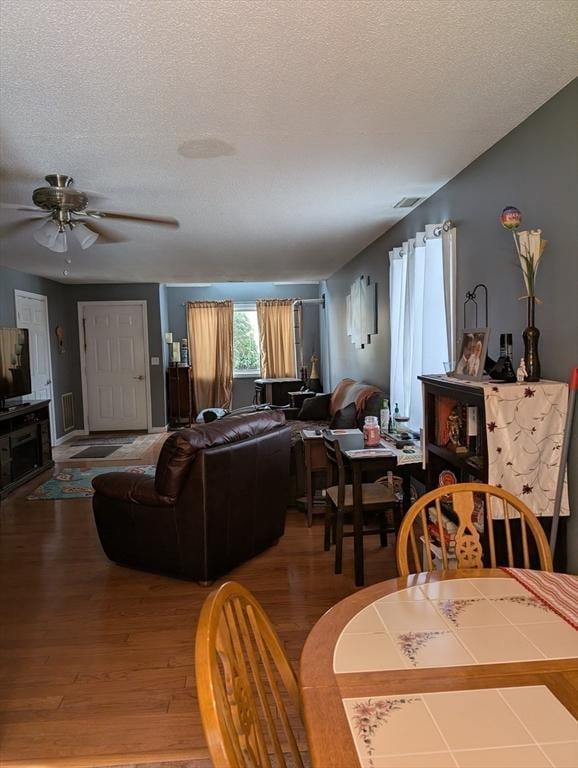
x=67, y=209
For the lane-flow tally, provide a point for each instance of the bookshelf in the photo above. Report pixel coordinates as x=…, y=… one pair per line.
x=469, y=460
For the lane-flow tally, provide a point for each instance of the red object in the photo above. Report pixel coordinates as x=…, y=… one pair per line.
x=371, y=435
x=574, y=379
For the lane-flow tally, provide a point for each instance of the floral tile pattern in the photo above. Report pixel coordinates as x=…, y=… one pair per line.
x=410, y=643
x=452, y=609
x=460, y=728
x=426, y=627
x=370, y=714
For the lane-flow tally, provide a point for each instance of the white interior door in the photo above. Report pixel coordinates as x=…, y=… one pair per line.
x=32, y=314
x=116, y=365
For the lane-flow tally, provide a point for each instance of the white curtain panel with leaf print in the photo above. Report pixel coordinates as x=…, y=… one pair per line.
x=422, y=311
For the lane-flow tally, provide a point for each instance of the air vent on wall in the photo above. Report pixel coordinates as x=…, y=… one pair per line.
x=67, y=412
x=408, y=202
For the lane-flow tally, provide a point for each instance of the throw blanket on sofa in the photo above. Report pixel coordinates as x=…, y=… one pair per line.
x=351, y=391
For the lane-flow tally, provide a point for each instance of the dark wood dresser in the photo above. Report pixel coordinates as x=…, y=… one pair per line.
x=180, y=395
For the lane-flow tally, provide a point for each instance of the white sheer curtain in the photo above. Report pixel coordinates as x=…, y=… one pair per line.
x=422, y=313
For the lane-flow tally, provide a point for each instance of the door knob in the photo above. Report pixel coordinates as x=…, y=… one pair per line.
x=139, y=378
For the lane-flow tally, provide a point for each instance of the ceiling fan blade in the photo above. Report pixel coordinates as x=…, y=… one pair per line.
x=19, y=175
x=105, y=235
x=17, y=207
x=16, y=226
x=163, y=221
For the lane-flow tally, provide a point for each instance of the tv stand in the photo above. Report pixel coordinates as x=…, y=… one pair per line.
x=24, y=444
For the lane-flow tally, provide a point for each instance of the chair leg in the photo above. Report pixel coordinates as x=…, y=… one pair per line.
x=382, y=516
x=329, y=527
x=339, y=541
x=397, y=516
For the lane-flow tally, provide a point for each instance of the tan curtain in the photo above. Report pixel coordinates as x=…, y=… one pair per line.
x=210, y=328
x=277, y=338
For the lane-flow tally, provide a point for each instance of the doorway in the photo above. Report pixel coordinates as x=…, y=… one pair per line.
x=114, y=358
x=32, y=314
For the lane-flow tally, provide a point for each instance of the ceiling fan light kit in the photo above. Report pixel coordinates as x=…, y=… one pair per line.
x=84, y=235
x=67, y=208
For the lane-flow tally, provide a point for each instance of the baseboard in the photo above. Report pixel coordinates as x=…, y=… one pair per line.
x=69, y=436
x=157, y=430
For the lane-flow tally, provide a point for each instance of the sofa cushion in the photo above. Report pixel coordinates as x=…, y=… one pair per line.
x=345, y=418
x=181, y=448
x=315, y=408
x=372, y=408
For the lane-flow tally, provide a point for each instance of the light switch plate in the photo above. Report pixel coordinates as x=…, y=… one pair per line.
x=155, y=361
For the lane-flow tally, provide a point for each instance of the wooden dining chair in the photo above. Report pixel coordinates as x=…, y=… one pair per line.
x=377, y=498
x=428, y=519
x=248, y=692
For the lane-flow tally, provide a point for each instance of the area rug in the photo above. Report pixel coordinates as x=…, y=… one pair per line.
x=96, y=440
x=76, y=482
x=137, y=450
x=95, y=452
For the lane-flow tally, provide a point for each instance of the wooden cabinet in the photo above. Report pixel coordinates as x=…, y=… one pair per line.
x=25, y=449
x=180, y=395
x=441, y=397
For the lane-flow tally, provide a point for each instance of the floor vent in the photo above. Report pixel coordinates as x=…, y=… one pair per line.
x=67, y=411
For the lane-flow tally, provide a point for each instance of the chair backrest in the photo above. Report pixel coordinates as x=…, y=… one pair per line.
x=244, y=682
x=471, y=504
x=336, y=470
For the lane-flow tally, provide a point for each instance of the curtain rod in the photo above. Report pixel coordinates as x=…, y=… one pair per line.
x=320, y=301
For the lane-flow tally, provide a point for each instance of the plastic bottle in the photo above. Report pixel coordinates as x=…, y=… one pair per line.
x=371, y=435
x=384, y=416
x=395, y=415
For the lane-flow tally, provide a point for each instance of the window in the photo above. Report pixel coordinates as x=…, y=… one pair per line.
x=422, y=313
x=246, y=353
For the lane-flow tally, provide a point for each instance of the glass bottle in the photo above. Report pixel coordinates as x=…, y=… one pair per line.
x=371, y=434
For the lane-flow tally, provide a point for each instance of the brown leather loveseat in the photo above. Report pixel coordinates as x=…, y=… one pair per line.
x=218, y=498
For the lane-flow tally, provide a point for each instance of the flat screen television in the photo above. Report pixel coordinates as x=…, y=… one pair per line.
x=14, y=363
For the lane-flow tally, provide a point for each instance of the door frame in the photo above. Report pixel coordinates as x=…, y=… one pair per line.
x=82, y=344
x=18, y=294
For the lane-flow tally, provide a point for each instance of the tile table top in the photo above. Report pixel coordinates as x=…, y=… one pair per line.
x=453, y=623
x=518, y=727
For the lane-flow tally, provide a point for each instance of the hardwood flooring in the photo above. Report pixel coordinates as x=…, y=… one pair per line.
x=96, y=660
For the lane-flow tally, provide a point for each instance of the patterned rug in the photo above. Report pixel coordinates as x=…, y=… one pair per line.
x=76, y=482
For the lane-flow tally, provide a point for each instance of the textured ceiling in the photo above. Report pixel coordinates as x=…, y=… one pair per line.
x=279, y=133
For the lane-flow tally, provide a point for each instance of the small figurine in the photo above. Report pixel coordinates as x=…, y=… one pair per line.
x=521, y=373
x=454, y=425
x=314, y=383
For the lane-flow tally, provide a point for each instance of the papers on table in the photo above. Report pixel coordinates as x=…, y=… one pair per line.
x=309, y=434
x=369, y=453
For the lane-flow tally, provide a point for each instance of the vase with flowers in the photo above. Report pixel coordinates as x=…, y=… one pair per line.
x=529, y=249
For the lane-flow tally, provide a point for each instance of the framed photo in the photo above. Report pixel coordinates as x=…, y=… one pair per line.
x=472, y=354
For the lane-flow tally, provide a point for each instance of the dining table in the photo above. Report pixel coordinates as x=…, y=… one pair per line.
x=465, y=668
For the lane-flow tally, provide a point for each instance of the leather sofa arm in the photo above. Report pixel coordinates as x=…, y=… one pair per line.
x=130, y=487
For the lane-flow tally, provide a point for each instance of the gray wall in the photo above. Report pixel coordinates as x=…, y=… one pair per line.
x=244, y=388
x=61, y=311
x=534, y=168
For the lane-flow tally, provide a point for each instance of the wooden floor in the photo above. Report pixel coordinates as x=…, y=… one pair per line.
x=96, y=660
